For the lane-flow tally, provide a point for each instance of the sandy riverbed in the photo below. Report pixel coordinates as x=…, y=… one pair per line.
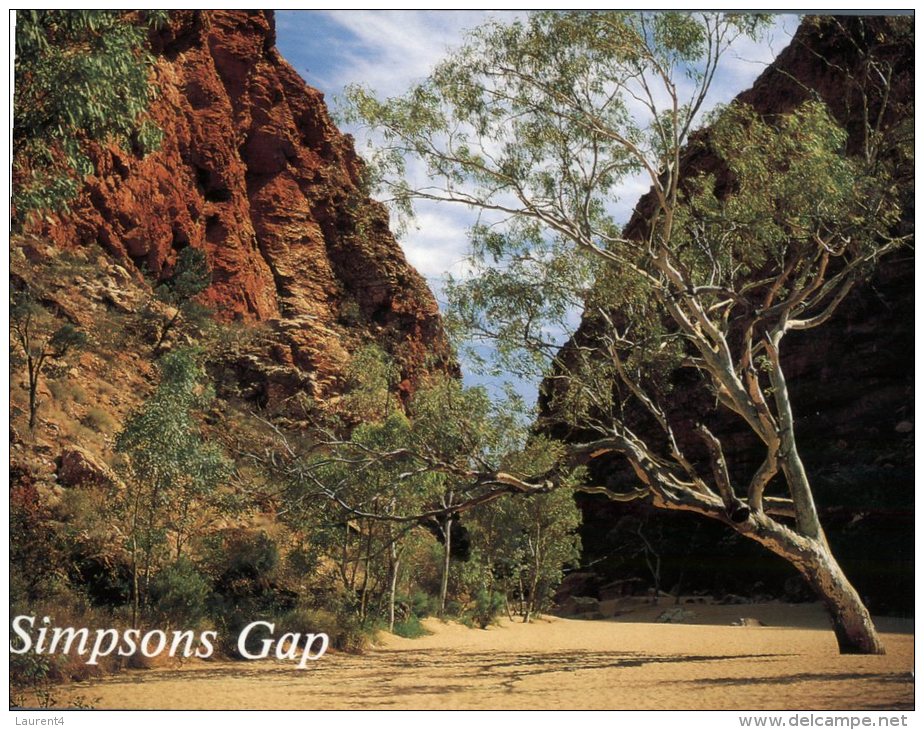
x=790, y=664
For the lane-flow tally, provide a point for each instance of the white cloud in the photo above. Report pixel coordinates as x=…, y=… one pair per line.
x=438, y=242
x=388, y=51
x=395, y=48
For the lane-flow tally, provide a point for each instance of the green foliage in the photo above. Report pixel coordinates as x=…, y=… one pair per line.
x=28, y=317
x=33, y=330
x=792, y=183
x=410, y=628
x=355, y=499
x=80, y=76
x=66, y=337
x=526, y=285
x=179, y=594
x=307, y=620
x=371, y=380
x=545, y=119
x=530, y=103
x=94, y=559
x=540, y=125
x=244, y=570
x=422, y=604
x=149, y=137
x=445, y=423
x=162, y=439
x=538, y=119
x=464, y=426
x=346, y=634
x=524, y=545
x=240, y=555
x=37, y=551
x=32, y=671
x=487, y=607
x=350, y=313
x=192, y=275
x=173, y=473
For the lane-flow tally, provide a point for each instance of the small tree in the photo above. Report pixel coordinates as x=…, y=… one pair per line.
x=538, y=123
x=29, y=322
x=192, y=275
x=372, y=378
x=343, y=506
x=449, y=422
x=525, y=543
x=549, y=534
x=173, y=473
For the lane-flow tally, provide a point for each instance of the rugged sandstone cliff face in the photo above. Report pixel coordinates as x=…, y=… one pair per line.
x=253, y=171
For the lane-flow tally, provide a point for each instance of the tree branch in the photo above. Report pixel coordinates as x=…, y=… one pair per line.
x=736, y=509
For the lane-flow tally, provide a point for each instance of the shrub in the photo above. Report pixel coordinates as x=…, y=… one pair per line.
x=350, y=314
x=352, y=636
x=308, y=620
x=100, y=420
x=488, y=606
x=422, y=604
x=36, y=547
x=246, y=556
x=63, y=389
x=32, y=678
x=454, y=608
x=410, y=628
x=345, y=632
x=230, y=623
x=180, y=593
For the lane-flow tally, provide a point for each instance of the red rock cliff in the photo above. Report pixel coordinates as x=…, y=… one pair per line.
x=253, y=171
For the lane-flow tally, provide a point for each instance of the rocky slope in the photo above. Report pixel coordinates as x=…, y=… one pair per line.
x=253, y=171
x=851, y=381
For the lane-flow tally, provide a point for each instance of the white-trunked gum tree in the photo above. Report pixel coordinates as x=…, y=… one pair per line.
x=537, y=125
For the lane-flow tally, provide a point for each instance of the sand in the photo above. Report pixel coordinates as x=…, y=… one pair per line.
x=555, y=663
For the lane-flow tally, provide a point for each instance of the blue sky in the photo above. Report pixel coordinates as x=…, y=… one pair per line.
x=388, y=51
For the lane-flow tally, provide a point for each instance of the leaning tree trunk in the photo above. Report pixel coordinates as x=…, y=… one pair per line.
x=850, y=619
x=811, y=557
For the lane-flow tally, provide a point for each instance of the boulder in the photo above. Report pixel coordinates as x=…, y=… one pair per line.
x=78, y=467
x=675, y=616
x=580, y=606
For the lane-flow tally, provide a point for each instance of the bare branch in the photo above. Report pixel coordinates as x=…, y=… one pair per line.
x=736, y=509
